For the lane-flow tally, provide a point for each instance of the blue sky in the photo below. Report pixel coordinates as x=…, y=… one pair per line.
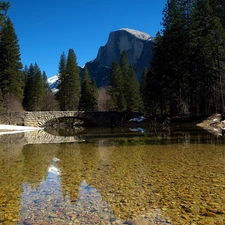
x=46, y=28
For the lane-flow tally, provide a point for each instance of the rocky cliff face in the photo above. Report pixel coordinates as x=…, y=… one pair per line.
x=138, y=46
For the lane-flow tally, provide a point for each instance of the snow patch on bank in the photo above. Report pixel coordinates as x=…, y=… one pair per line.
x=139, y=119
x=11, y=129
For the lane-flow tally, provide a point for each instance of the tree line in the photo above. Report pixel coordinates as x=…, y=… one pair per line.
x=188, y=68
x=186, y=75
x=27, y=88
x=72, y=93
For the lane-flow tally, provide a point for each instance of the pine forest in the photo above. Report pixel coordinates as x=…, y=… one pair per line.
x=186, y=75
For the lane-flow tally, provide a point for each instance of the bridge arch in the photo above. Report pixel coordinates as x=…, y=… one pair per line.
x=111, y=118
x=73, y=120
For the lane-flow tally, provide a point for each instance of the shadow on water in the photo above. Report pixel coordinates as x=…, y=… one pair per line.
x=149, y=135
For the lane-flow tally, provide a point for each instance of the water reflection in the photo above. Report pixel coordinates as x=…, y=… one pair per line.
x=47, y=205
x=53, y=167
x=150, y=136
x=171, y=178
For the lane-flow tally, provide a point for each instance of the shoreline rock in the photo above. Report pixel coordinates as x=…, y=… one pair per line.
x=213, y=124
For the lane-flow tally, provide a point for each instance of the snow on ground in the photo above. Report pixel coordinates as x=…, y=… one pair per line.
x=11, y=129
x=138, y=129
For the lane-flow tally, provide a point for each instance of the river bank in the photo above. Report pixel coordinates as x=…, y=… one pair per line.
x=213, y=124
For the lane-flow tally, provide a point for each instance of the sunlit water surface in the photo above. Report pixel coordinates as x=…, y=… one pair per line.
x=113, y=176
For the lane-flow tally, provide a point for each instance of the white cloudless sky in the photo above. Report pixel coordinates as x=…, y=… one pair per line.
x=46, y=28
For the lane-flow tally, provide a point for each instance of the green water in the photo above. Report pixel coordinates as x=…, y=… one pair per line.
x=114, y=176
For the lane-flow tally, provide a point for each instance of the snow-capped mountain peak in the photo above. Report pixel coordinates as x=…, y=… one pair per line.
x=138, y=46
x=53, y=83
x=53, y=79
x=139, y=34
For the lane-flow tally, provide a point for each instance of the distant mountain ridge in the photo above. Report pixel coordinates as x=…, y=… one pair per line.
x=137, y=44
x=53, y=83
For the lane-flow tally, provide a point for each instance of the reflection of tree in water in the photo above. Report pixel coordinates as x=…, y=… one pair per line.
x=77, y=161
x=122, y=180
x=11, y=169
x=119, y=173
x=37, y=159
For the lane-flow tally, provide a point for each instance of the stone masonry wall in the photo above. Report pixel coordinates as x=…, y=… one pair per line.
x=39, y=118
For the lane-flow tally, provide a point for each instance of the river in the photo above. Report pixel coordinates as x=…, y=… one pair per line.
x=113, y=176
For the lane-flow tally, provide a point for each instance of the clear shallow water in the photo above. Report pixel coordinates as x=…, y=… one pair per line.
x=114, y=177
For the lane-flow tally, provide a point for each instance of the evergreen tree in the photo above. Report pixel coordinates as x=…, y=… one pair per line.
x=85, y=91
x=45, y=80
x=129, y=94
x=39, y=89
x=218, y=7
x=133, y=95
x=143, y=89
x=124, y=65
x=175, y=44
x=11, y=76
x=29, y=88
x=207, y=52
x=35, y=91
x=72, y=82
x=3, y=11
x=4, y=6
x=125, y=88
x=49, y=103
x=157, y=85
x=88, y=99
x=94, y=95
x=117, y=87
x=61, y=94
x=187, y=70
x=217, y=39
x=121, y=101
x=69, y=86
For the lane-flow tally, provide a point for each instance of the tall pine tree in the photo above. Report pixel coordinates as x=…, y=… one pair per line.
x=36, y=89
x=29, y=87
x=11, y=75
x=125, y=88
x=133, y=94
x=4, y=6
x=116, y=87
x=39, y=89
x=69, y=82
x=88, y=99
x=207, y=52
x=94, y=95
x=187, y=70
x=72, y=82
x=61, y=94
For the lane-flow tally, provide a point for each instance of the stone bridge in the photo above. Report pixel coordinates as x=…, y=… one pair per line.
x=40, y=118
